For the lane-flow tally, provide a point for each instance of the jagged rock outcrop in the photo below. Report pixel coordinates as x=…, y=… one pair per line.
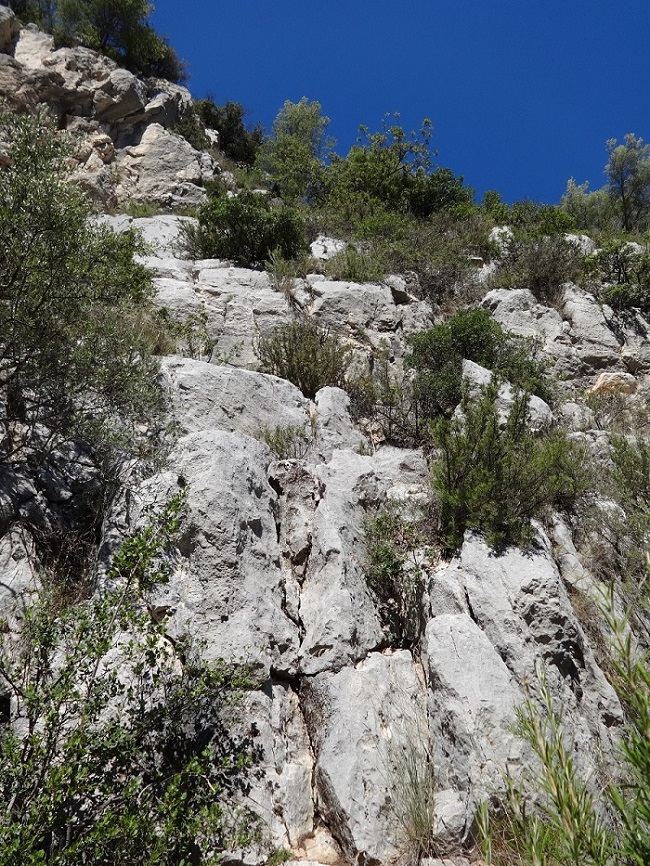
x=580, y=338
x=126, y=151
x=271, y=561
x=271, y=570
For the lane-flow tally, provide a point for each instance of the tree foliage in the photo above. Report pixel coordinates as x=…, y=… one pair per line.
x=236, y=141
x=118, y=28
x=493, y=477
x=390, y=170
x=628, y=180
x=74, y=305
x=119, y=747
x=293, y=154
x=246, y=228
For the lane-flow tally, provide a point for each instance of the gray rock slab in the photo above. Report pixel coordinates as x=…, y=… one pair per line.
x=336, y=610
x=282, y=793
x=227, y=590
x=360, y=720
x=515, y=612
x=220, y=397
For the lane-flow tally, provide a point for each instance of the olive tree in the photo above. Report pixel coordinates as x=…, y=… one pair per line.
x=628, y=180
x=293, y=155
x=75, y=308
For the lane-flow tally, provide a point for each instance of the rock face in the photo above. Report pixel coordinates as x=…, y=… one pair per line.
x=271, y=571
x=581, y=339
x=126, y=151
x=271, y=566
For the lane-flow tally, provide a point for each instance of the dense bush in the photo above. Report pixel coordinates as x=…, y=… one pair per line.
x=624, y=268
x=540, y=263
x=493, y=477
x=74, y=351
x=528, y=216
x=121, y=747
x=118, y=28
x=246, y=229
x=437, y=356
x=306, y=355
x=391, y=171
x=236, y=141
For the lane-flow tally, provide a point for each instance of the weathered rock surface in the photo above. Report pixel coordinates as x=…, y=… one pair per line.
x=362, y=718
x=271, y=563
x=162, y=168
x=120, y=122
x=581, y=338
x=478, y=377
x=271, y=570
x=9, y=31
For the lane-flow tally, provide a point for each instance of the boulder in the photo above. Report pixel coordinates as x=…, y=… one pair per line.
x=282, y=793
x=324, y=248
x=9, y=31
x=227, y=589
x=333, y=423
x=496, y=621
x=540, y=413
x=162, y=168
x=614, y=383
x=214, y=397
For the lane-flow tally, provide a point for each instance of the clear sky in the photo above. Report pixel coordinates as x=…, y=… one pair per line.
x=522, y=94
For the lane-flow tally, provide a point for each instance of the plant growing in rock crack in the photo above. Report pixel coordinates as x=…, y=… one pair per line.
x=395, y=554
x=308, y=356
x=287, y=442
x=550, y=818
x=411, y=781
x=119, y=746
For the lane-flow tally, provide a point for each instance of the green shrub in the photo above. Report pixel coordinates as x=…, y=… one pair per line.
x=246, y=228
x=75, y=306
x=354, y=265
x=493, y=478
x=590, y=210
x=626, y=271
x=391, y=171
x=306, y=355
x=567, y=827
x=287, y=442
x=192, y=128
x=394, y=542
x=550, y=816
x=236, y=141
x=120, y=747
x=437, y=356
x=386, y=400
x=540, y=263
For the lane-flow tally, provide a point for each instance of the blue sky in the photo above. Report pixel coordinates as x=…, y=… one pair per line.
x=522, y=94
